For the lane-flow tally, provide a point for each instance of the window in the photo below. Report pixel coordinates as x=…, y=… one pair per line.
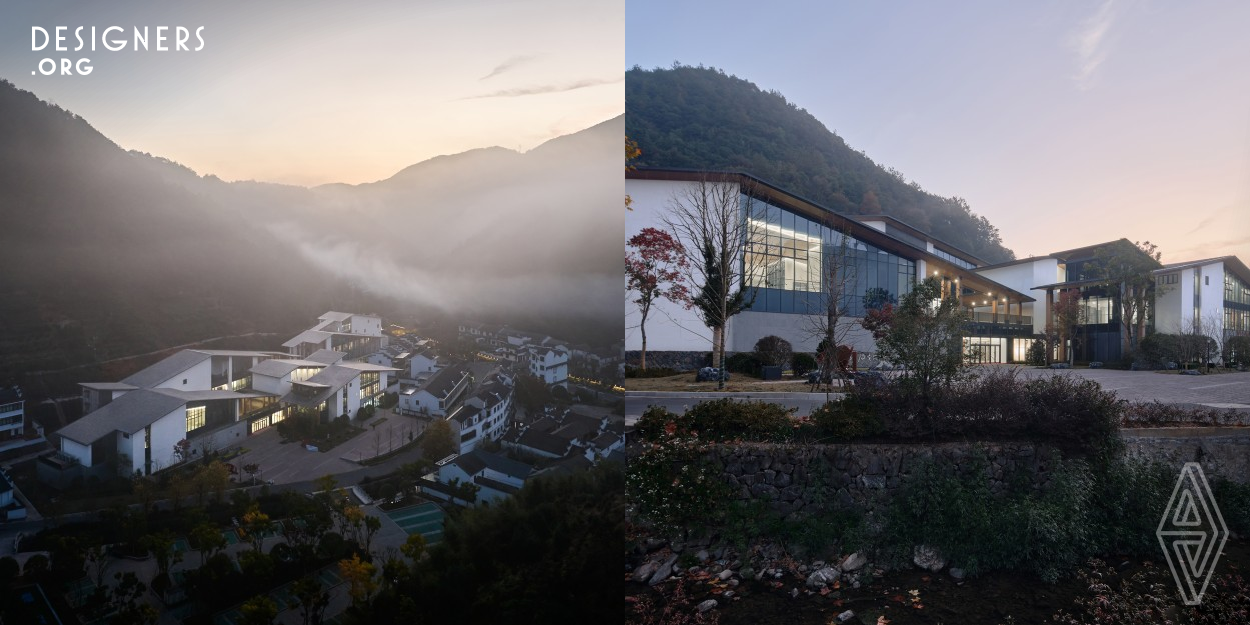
x=1170, y=278
x=195, y=417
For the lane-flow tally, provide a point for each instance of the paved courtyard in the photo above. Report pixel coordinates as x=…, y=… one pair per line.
x=1223, y=390
x=284, y=463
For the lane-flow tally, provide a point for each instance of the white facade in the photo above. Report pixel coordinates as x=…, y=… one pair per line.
x=12, y=414
x=1196, y=294
x=550, y=364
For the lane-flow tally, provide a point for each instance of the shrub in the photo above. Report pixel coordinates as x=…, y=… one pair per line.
x=1037, y=352
x=744, y=362
x=1159, y=348
x=1074, y=412
x=719, y=420
x=673, y=485
x=773, y=351
x=854, y=416
x=803, y=362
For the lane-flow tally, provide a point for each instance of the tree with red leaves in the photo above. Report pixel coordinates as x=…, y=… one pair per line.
x=654, y=265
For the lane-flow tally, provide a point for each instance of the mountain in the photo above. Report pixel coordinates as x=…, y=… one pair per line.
x=108, y=253
x=701, y=118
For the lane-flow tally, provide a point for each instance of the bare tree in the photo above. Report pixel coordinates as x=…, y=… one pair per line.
x=711, y=220
x=1125, y=269
x=829, y=322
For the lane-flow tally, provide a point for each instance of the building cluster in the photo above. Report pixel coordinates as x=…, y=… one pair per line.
x=794, y=247
x=196, y=400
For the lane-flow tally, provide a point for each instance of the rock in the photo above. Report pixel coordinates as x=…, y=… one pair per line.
x=725, y=574
x=645, y=571
x=846, y=616
x=957, y=573
x=729, y=594
x=794, y=593
x=928, y=558
x=733, y=582
x=823, y=577
x=664, y=571
x=747, y=573
x=707, y=605
x=702, y=555
x=853, y=562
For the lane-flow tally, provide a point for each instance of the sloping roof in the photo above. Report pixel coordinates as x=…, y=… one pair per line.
x=464, y=413
x=325, y=356
x=364, y=366
x=334, y=376
x=486, y=482
x=129, y=413
x=543, y=441
x=335, y=316
x=308, y=336
x=917, y=232
x=107, y=386
x=444, y=381
x=242, y=353
x=167, y=368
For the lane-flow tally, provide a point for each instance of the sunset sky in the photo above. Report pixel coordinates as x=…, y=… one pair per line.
x=1064, y=123
x=310, y=92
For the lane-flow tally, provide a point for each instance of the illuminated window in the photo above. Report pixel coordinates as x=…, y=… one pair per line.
x=195, y=417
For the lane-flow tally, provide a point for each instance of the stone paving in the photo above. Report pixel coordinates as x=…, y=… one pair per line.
x=1220, y=390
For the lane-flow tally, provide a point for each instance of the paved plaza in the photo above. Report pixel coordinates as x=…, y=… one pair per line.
x=284, y=463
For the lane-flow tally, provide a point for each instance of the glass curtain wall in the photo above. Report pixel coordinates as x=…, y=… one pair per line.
x=787, y=258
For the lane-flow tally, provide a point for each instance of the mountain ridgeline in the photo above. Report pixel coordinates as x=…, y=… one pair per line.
x=109, y=253
x=701, y=118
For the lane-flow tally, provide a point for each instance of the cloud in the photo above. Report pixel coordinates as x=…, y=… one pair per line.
x=509, y=65
x=523, y=91
x=1089, y=41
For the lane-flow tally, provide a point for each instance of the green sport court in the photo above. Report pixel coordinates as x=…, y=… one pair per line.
x=425, y=519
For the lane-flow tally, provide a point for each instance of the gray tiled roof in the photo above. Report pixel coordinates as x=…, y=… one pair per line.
x=129, y=413
x=277, y=367
x=326, y=356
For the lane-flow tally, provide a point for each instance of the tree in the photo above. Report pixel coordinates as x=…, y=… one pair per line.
x=926, y=337
x=251, y=469
x=259, y=610
x=413, y=547
x=631, y=152
x=182, y=450
x=1069, y=315
x=829, y=324
x=255, y=524
x=313, y=600
x=372, y=526
x=1125, y=269
x=207, y=539
x=439, y=441
x=654, y=266
x=1237, y=350
x=531, y=393
x=710, y=220
x=125, y=601
x=161, y=544
x=359, y=576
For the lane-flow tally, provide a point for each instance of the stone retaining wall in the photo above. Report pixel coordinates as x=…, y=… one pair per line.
x=810, y=478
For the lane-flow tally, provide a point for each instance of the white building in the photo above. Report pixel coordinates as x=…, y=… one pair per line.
x=485, y=415
x=437, y=394
x=495, y=476
x=12, y=414
x=352, y=334
x=549, y=364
